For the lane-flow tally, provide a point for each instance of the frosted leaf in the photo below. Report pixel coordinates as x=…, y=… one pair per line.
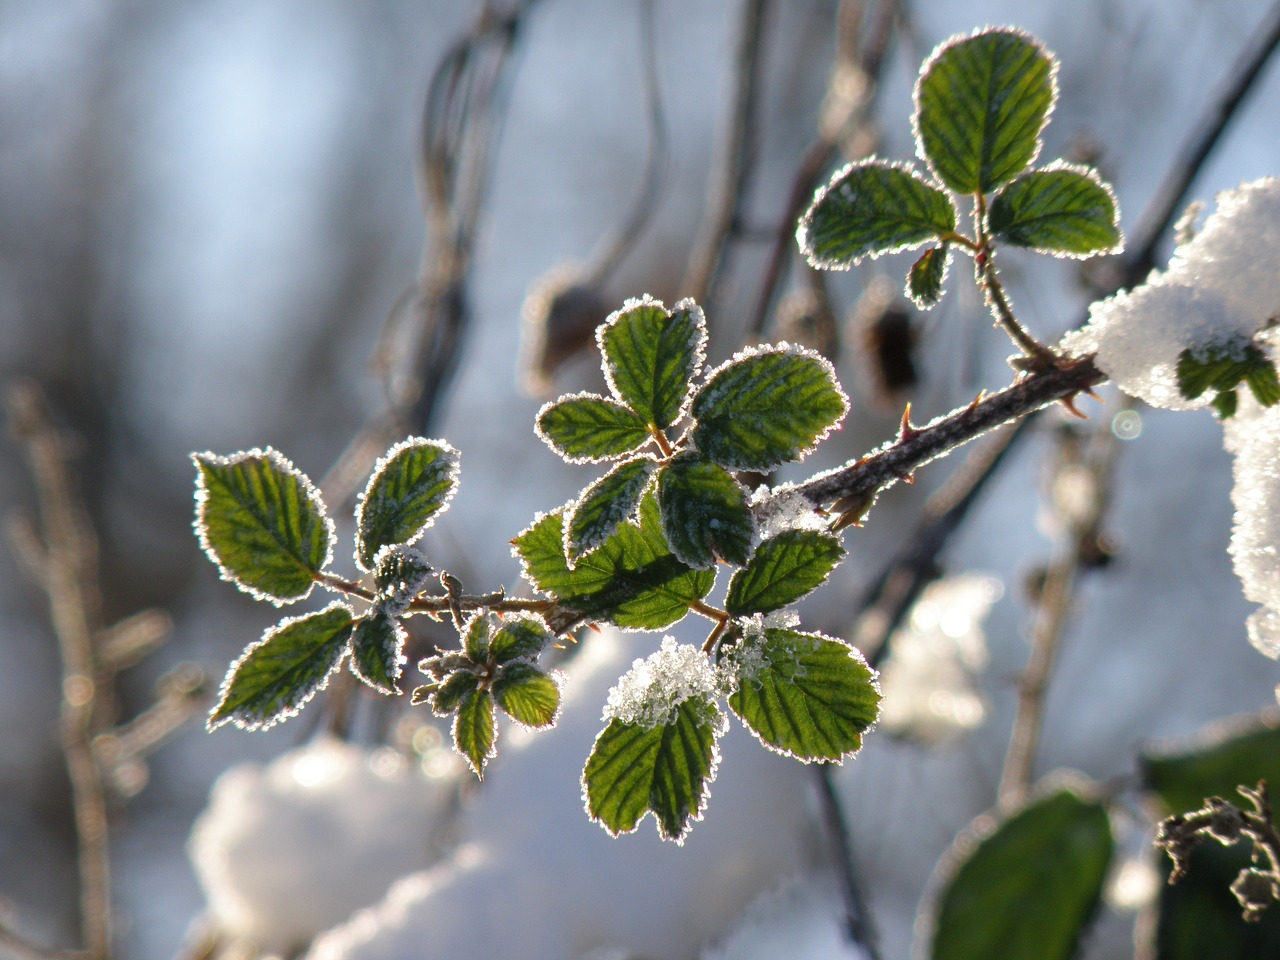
x=649, y=694
x=930, y=681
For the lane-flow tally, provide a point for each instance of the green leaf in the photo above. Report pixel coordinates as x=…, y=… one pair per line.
x=449, y=693
x=632, y=580
x=475, y=637
x=766, y=406
x=530, y=697
x=410, y=485
x=650, y=356
x=981, y=104
x=925, y=279
x=871, y=208
x=276, y=676
x=803, y=694
x=1241, y=750
x=377, y=652
x=585, y=428
x=1222, y=367
x=704, y=512
x=1198, y=917
x=263, y=523
x=594, y=518
x=1061, y=210
x=1051, y=855
x=475, y=729
x=783, y=569
x=520, y=638
x=665, y=770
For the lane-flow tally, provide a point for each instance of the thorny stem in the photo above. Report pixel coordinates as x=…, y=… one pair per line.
x=67, y=567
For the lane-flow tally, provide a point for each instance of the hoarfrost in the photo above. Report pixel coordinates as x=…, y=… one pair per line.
x=653, y=689
x=929, y=682
x=1221, y=287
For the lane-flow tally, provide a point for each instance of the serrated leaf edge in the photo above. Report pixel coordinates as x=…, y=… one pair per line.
x=225, y=688
x=454, y=460
x=309, y=490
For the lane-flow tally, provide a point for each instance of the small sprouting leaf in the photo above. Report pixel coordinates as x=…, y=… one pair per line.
x=766, y=406
x=609, y=501
x=1055, y=850
x=927, y=275
x=585, y=428
x=650, y=356
x=1222, y=367
x=263, y=523
x=1062, y=209
x=871, y=208
x=377, y=652
x=278, y=674
x=783, y=569
x=632, y=579
x=521, y=637
x=410, y=485
x=803, y=694
x=981, y=104
x=704, y=512
x=530, y=697
x=664, y=769
x=1241, y=750
x=475, y=729
x=448, y=694
x=475, y=637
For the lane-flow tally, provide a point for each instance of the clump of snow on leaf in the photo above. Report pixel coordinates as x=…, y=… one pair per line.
x=1220, y=288
x=930, y=680
x=649, y=694
x=1253, y=436
x=287, y=850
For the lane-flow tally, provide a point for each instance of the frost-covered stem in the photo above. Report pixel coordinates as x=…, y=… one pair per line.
x=896, y=461
x=67, y=566
x=860, y=923
x=20, y=946
x=730, y=180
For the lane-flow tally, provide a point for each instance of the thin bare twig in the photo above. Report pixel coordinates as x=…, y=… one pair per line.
x=68, y=566
x=732, y=174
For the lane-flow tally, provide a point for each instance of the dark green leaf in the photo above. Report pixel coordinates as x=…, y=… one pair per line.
x=475, y=729
x=1025, y=889
x=449, y=693
x=665, y=770
x=520, y=637
x=475, y=637
x=650, y=357
x=585, y=428
x=1199, y=918
x=1062, y=209
x=981, y=104
x=925, y=279
x=1221, y=367
x=377, y=652
x=870, y=208
x=410, y=485
x=609, y=501
x=704, y=512
x=783, y=569
x=803, y=694
x=530, y=696
x=262, y=522
x=276, y=676
x=766, y=406
x=1227, y=754
x=632, y=580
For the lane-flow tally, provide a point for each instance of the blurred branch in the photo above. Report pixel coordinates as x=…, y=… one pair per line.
x=730, y=178
x=69, y=559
